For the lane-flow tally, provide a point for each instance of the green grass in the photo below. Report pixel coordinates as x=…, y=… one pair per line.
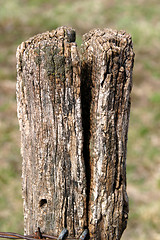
x=155, y=98
x=21, y=19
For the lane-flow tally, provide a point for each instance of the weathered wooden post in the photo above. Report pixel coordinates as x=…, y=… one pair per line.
x=73, y=118
x=49, y=113
x=107, y=62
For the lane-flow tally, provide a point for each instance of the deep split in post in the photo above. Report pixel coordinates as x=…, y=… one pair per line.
x=73, y=110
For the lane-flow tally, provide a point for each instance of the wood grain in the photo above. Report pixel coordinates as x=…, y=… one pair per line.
x=107, y=63
x=49, y=113
x=73, y=112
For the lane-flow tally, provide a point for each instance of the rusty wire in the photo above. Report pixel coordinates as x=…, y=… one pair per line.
x=11, y=235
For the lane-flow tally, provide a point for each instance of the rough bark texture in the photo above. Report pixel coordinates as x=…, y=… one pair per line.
x=49, y=113
x=74, y=121
x=107, y=62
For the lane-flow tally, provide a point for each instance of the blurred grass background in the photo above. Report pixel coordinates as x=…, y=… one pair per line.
x=21, y=19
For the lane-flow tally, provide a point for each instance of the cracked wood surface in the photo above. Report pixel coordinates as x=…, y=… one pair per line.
x=49, y=113
x=107, y=62
x=73, y=115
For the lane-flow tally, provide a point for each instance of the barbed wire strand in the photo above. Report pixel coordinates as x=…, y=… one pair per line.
x=11, y=235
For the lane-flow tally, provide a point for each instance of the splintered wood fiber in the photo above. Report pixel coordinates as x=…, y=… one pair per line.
x=73, y=112
x=107, y=63
x=49, y=113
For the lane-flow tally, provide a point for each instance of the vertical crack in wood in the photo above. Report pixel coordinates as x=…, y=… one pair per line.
x=86, y=103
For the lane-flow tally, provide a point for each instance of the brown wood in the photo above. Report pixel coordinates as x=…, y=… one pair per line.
x=107, y=62
x=49, y=113
x=73, y=117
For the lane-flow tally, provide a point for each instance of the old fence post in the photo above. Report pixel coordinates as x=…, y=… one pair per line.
x=107, y=62
x=49, y=113
x=73, y=114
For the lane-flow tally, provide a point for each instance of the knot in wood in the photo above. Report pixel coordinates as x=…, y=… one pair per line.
x=71, y=35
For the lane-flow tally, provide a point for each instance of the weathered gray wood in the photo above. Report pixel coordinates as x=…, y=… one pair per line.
x=107, y=62
x=49, y=113
x=74, y=155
